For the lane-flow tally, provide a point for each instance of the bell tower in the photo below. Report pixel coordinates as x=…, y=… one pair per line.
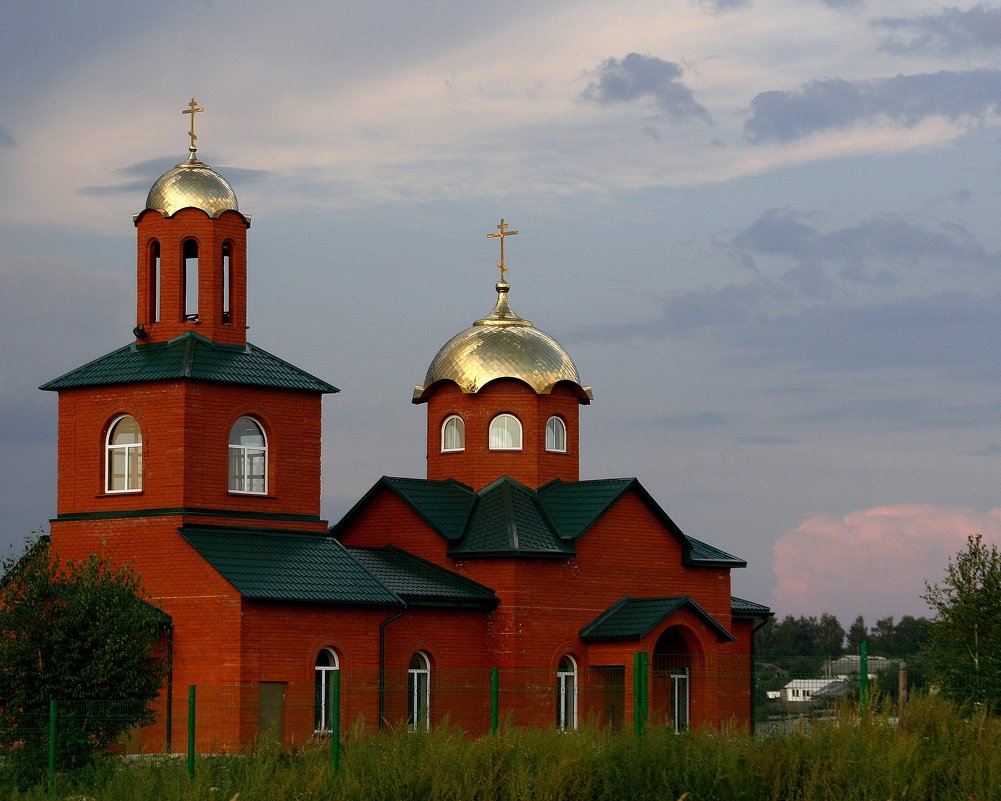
x=191, y=255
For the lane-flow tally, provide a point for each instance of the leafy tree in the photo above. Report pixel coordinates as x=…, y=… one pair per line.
x=800, y=644
x=79, y=633
x=964, y=650
x=857, y=634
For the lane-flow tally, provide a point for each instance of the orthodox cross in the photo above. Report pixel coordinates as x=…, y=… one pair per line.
x=502, y=231
x=192, y=109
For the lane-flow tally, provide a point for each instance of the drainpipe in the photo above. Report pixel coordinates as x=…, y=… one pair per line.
x=753, y=632
x=382, y=664
x=170, y=684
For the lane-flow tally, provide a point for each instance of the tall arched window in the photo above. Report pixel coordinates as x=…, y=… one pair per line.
x=227, y=281
x=154, y=282
x=190, y=283
x=123, y=471
x=453, y=434
x=556, y=435
x=505, y=433
x=566, y=694
x=248, y=457
x=327, y=664
x=419, y=692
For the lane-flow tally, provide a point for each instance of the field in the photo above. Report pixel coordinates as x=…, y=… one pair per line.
x=938, y=753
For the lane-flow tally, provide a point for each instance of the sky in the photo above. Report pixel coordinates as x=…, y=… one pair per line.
x=765, y=231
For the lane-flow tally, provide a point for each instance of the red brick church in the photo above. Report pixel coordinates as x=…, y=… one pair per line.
x=194, y=456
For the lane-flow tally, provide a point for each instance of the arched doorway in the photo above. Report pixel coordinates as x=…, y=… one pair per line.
x=674, y=662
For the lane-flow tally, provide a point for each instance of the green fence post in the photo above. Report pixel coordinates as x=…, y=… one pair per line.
x=494, y=699
x=639, y=693
x=335, y=721
x=51, y=783
x=644, y=698
x=191, y=732
x=863, y=677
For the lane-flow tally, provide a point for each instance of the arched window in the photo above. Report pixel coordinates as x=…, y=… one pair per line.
x=556, y=435
x=190, y=284
x=453, y=434
x=419, y=692
x=227, y=281
x=327, y=664
x=566, y=694
x=123, y=470
x=505, y=433
x=248, y=457
x=154, y=282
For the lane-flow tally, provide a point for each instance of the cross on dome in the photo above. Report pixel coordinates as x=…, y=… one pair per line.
x=502, y=231
x=192, y=109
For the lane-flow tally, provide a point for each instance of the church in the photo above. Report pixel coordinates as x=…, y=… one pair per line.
x=499, y=584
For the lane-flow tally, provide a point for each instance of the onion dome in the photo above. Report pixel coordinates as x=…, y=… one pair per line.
x=502, y=345
x=192, y=184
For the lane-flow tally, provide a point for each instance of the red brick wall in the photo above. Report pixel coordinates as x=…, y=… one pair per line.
x=477, y=465
x=185, y=427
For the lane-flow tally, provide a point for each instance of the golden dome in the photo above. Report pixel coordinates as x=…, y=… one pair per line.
x=502, y=345
x=193, y=184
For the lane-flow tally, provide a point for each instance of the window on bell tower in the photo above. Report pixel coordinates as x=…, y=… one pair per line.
x=190, y=272
x=248, y=457
x=227, y=282
x=123, y=466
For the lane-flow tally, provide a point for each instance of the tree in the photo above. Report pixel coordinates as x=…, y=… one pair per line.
x=964, y=649
x=79, y=633
x=857, y=634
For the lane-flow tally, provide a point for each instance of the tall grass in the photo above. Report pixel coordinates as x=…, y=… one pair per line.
x=937, y=754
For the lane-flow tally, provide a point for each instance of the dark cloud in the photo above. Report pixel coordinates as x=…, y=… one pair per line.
x=844, y=4
x=721, y=6
x=902, y=413
x=6, y=140
x=684, y=421
x=833, y=103
x=766, y=439
x=142, y=174
x=782, y=232
x=636, y=77
x=952, y=31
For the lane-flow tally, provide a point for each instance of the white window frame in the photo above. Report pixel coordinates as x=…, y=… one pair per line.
x=556, y=435
x=504, y=431
x=133, y=479
x=566, y=694
x=324, y=688
x=681, y=699
x=453, y=423
x=240, y=480
x=419, y=692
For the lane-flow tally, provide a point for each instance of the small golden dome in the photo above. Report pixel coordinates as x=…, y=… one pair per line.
x=502, y=345
x=193, y=184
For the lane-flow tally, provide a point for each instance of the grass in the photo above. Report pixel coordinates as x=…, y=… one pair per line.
x=938, y=754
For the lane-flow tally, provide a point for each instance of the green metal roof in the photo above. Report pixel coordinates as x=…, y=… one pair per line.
x=191, y=355
x=281, y=565
x=634, y=618
x=744, y=608
x=507, y=518
x=421, y=583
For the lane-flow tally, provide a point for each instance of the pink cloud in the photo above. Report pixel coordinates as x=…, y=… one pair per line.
x=872, y=562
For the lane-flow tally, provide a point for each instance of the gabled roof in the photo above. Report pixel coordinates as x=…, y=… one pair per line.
x=507, y=518
x=421, y=583
x=191, y=355
x=634, y=618
x=282, y=565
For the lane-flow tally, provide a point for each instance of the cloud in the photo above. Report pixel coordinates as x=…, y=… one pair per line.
x=952, y=31
x=782, y=232
x=6, y=140
x=844, y=4
x=636, y=77
x=904, y=100
x=722, y=6
x=879, y=557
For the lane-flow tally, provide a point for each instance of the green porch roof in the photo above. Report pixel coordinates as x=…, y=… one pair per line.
x=421, y=583
x=282, y=565
x=192, y=356
x=506, y=518
x=634, y=618
x=744, y=608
